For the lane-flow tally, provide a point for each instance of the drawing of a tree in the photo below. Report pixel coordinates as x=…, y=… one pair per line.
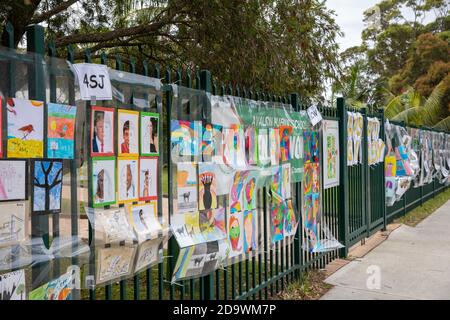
x=47, y=179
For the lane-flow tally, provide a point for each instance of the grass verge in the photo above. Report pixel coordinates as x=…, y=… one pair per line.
x=311, y=286
x=416, y=215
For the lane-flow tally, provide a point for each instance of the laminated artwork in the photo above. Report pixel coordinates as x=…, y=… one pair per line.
x=225, y=175
x=285, y=144
x=235, y=224
x=263, y=147
x=274, y=139
x=13, y=180
x=186, y=229
x=148, y=254
x=286, y=181
x=127, y=179
x=187, y=187
x=111, y=225
x=250, y=231
x=28, y=253
x=390, y=185
x=13, y=286
x=25, y=128
x=212, y=224
x=236, y=192
x=251, y=146
x=114, y=263
x=290, y=219
x=277, y=214
x=143, y=218
x=150, y=131
x=250, y=190
x=185, y=139
x=61, y=131
x=103, y=181
x=350, y=153
x=234, y=147
x=102, y=131
x=128, y=133
x=148, y=178
x=390, y=166
x=276, y=185
x=311, y=146
x=357, y=137
x=331, y=153
x=403, y=184
x=58, y=289
x=222, y=112
x=46, y=188
x=13, y=223
x=196, y=261
x=207, y=186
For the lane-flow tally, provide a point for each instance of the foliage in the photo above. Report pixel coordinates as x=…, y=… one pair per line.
x=276, y=46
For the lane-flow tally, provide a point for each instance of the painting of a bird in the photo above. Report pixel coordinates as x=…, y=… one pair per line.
x=26, y=130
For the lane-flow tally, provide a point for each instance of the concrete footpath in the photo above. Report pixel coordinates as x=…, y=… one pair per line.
x=413, y=263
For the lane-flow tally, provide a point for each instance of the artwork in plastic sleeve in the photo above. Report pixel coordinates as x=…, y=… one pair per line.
x=111, y=225
x=357, y=136
x=148, y=178
x=290, y=219
x=222, y=112
x=250, y=190
x=114, y=263
x=128, y=133
x=225, y=175
x=25, y=128
x=102, y=131
x=239, y=146
x=149, y=144
x=195, y=261
x=285, y=143
x=402, y=186
x=212, y=224
x=308, y=179
x=61, y=131
x=263, y=147
x=207, y=186
x=217, y=144
x=128, y=177
x=149, y=254
x=186, y=229
x=207, y=143
x=250, y=231
x=277, y=221
x=1, y=127
x=144, y=220
x=236, y=193
x=251, y=146
x=350, y=153
x=297, y=154
x=13, y=222
x=185, y=138
x=274, y=138
x=187, y=197
x=331, y=152
x=235, y=233
x=307, y=136
x=286, y=180
x=47, y=186
x=390, y=166
x=103, y=181
x=276, y=185
x=58, y=289
x=310, y=225
x=316, y=178
x=12, y=286
x=13, y=183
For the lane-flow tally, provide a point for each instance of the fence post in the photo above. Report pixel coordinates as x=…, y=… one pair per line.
x=343, y=179
x=298, y=192
x=366, y=173
x=205, y=84
x=36, y=91
x=383, y=191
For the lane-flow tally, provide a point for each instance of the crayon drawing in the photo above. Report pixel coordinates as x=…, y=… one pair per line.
x=12, y=286
x=47, y=186
x=13, y=183
x=25, y=128
x=187, y=187
x=61, y=131
x=12, y=223
x=103, y=181
x=207, y=186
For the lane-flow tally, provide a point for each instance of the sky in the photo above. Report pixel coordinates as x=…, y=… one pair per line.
x=349, y=16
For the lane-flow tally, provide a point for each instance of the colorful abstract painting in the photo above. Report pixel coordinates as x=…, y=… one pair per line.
x=235, y=233
x=47, y=186
x=250, y=231
x=236, y=193
x=25, y=128
x=250, y=190
x=185, y=138
x=58, y=289
x=285, y=143
x=212, y=224
x=290, y=219
x=277, y=222
x=274, y=139
x=61, y=131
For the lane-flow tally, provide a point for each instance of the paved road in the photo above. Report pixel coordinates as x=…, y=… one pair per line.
x=413, y=263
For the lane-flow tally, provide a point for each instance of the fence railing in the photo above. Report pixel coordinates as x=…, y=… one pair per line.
x=353, y=210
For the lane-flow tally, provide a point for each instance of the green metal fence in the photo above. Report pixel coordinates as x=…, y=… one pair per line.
x=353, y=210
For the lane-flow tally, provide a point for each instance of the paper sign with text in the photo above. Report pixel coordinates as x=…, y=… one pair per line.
x=93, y=80
x=314, y=115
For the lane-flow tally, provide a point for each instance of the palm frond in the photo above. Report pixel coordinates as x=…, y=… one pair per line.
x=433, y=107
x=444, y=124
x=411, y=116
x=394, y=107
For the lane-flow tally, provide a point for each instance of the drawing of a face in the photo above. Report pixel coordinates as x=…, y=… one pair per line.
x=248, y=227
x=99, y=126
x=126, y=132
x=234, y=233
x=100, y=181
x=129, y=177
x=249, y=190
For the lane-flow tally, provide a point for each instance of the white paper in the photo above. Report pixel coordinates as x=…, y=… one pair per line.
x=93, y=80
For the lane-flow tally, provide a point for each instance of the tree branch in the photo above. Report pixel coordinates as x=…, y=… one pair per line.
x=54, y=11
